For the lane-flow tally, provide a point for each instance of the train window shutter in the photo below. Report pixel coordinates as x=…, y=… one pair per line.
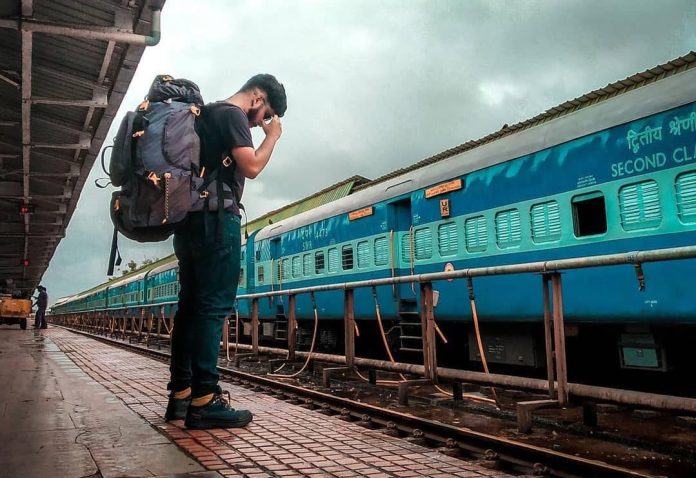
x=347, y=257
x=307, y=265
x=546, y=222
x=476, y=234
x=296, y=267
x=508, y=230
x=381, y=251
x=423, y=239
x=686, y=197
x=333, y=259
x=287, y=269
x=363, y=254
x=447, y=240
x=406, y=247
x=639, y=205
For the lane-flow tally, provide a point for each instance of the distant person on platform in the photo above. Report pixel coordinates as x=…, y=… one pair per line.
x=209, y=259
x=41, y=303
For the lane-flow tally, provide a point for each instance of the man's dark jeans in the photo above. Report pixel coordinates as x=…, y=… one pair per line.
x=208, y=275
x=40, y=318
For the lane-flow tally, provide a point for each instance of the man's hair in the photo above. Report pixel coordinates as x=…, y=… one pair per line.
x=273, y=88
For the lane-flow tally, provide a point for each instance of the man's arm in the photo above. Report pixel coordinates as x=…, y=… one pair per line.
x=251, y=162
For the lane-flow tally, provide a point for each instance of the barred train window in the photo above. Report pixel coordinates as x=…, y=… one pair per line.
x=333, y=259
x=347, y=257
x=259, y=274
x=381, y=251
x=447, y=240
x=423, y=239
x=589, y=214
x=363, y=254
x=319, y=262
x=279, y=270
x=476, y=234
x=508, y=230
x=306, y=264
x=639, y=205
x=546, y=222
x=685, y=186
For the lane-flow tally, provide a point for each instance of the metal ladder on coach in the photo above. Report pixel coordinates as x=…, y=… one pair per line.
x=411, y=334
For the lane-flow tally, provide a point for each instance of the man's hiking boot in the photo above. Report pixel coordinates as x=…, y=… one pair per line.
x=176, y=408
x=217, y=413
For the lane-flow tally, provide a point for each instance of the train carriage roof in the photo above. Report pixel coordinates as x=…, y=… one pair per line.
x=174, y=263
x=657, y=89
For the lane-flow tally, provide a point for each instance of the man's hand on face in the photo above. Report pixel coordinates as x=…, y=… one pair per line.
x=274, y=128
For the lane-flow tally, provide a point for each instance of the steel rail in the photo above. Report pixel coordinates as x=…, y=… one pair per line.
x=508, y=452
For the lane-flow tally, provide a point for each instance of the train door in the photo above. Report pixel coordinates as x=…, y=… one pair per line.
x=279, y=328
x=399, y=224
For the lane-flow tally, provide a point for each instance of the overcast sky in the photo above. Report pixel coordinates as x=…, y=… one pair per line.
x=376, y=85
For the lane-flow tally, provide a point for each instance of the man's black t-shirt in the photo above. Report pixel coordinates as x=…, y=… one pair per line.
x=221, y=127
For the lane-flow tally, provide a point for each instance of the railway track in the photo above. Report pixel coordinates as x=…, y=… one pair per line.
x=492, y=451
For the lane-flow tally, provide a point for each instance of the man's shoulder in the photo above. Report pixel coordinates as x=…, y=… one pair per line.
x=221, y=110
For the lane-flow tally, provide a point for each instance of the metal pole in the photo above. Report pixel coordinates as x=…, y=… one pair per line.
x=292, y=327
x=547, y=334
x=428, y=330
x=349, y=327
x=255, y=326
x=559, y=338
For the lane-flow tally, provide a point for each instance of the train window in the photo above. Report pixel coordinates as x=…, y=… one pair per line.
x=685, y=186
x=319, y=262
x=347, y=257
x=423, y=239
x=279, y=270
x=639, y=205
x=333, y=259
x=241, y=278
x=381, y=251
x=476, y=234
x=447, y=240
x=589, y=214
x=363, y=254
x=259, y=274
x=546, y=222
x=296, y=267
x=307, y=264
x=508, y=230
x=406, y=254
x=287, y=270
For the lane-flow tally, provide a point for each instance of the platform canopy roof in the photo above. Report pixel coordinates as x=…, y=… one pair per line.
x=65, y=66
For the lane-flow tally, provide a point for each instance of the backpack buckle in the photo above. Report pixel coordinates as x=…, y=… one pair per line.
x=227, y=161
x=154, y=178
x=204, y=194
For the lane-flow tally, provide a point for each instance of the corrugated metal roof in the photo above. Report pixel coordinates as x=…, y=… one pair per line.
x=55, y=145
x=336, y=191
x=613, y=89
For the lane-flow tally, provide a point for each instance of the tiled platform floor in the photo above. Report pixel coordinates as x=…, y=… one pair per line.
x=283, y=440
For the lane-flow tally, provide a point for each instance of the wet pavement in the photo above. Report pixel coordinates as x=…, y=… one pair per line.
x=55, y=420
x=74, y=406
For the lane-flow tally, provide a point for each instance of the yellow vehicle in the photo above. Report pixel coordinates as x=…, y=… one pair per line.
x=14, y=311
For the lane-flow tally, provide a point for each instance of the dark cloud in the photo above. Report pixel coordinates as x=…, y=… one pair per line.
x=376, y=86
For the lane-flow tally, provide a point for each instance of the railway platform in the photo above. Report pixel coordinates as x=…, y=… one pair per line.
x=75, y=407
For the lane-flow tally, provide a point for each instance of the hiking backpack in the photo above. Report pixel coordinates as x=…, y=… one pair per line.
x=156, y=163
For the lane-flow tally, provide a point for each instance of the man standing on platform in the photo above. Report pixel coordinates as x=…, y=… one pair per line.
x=42, y=303
x=208, y=247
